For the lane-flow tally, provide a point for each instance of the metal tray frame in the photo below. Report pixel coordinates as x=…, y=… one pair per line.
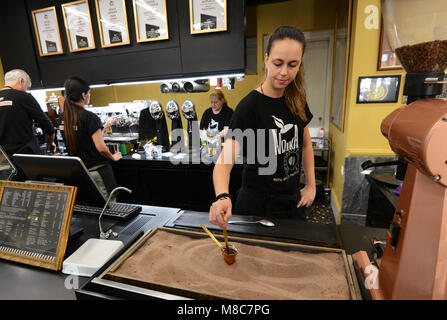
x=156, y=290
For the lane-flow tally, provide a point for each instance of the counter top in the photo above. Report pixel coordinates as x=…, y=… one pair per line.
x=26, y=282
x=20, y=281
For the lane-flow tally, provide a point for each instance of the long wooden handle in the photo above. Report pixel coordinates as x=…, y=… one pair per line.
x=225, y=233
x=211, y=235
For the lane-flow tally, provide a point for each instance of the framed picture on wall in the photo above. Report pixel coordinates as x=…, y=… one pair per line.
x=387, y=58
x=151, y=21
x=47, y=31
x=378, y=89
x=78, y=25
x=208, y=15
x=112, y=22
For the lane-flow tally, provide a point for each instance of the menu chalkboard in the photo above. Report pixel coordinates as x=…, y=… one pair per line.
x=34, y=222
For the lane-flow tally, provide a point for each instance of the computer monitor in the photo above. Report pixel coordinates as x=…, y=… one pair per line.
x=60, y=169
x=7, y=169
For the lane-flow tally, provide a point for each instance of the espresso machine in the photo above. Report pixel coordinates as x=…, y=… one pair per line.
x=161, y=127
x=173, y=113
x=190, y=114
x=414, y=263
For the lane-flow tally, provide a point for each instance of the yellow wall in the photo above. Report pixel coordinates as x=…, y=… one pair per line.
x=361, y=135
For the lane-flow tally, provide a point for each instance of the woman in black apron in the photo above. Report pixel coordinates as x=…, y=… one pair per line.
x=84, y=135
x=275, y=142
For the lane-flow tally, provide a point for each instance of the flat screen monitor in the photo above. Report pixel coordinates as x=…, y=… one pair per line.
x=7, y=169
x=60, y=169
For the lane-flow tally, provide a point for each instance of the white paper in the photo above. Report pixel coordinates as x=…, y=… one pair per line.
x=180, y=156
x=167, y=154
x=113, y=21
x=151, y=19
x=48, y=32
x=79, y=25
x=208, y=14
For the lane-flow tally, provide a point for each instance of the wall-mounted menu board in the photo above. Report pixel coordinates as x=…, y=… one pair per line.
x=35, y=222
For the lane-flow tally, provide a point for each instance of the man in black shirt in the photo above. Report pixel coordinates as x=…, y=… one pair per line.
x=18, y=110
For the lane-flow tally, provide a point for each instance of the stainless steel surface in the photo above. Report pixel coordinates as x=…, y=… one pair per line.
x=264, y=222
x=121, y=137
x=139, y=290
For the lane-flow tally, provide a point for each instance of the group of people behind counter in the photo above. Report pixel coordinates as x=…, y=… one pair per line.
x=277, y=105
x=83, y=130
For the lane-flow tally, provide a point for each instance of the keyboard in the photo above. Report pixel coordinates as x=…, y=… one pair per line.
x=116, y=210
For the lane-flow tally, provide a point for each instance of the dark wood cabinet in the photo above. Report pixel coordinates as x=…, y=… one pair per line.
x=162, y=183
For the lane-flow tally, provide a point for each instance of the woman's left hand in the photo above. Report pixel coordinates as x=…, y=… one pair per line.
x=307, y=196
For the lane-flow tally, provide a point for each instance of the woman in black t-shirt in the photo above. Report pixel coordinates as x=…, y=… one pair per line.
x=218, y=114
x=84, y=135
x=276, y=114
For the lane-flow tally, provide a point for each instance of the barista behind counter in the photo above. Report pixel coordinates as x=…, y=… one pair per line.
x=218, y=114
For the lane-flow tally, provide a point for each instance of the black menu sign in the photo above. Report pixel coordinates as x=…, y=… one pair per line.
x=34, y=222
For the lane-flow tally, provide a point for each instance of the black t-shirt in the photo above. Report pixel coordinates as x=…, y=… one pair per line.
x=283, y=135
x=88, y=124
x=18, y=110
x=223, y=118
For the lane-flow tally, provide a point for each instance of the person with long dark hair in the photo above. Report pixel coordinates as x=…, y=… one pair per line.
x=84, y=135
x=278, y=109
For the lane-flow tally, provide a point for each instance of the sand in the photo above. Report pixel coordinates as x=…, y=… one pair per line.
x=258, y=273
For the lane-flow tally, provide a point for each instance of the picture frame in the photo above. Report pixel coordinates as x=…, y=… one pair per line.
x=40, y=225
x=46, y=27
x=208, y=16
x=78, y=25
x=378, y=89
x=151, y=20
x=387, y=59
x=112, y=23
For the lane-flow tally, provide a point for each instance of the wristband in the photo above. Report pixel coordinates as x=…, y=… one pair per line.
x=223, y=196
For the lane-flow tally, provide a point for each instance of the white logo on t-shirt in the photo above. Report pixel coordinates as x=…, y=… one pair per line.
x=213, y=124
x=280, y=124
x=283, y=145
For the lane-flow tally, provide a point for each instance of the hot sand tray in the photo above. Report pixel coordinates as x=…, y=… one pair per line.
x=181, y=263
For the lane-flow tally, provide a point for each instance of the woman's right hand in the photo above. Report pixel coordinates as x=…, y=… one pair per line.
x=216, y=209
x=117, y=156
x=111, y=121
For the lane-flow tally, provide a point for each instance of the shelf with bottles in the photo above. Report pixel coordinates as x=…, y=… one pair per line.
x=322, y=144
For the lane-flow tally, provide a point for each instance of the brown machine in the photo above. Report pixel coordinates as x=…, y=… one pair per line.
x=414, y=264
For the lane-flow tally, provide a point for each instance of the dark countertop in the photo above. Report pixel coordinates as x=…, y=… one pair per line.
x=26, y=282
x=19, y=281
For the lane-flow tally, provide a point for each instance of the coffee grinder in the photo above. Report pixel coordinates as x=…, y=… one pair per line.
x=414, y=264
